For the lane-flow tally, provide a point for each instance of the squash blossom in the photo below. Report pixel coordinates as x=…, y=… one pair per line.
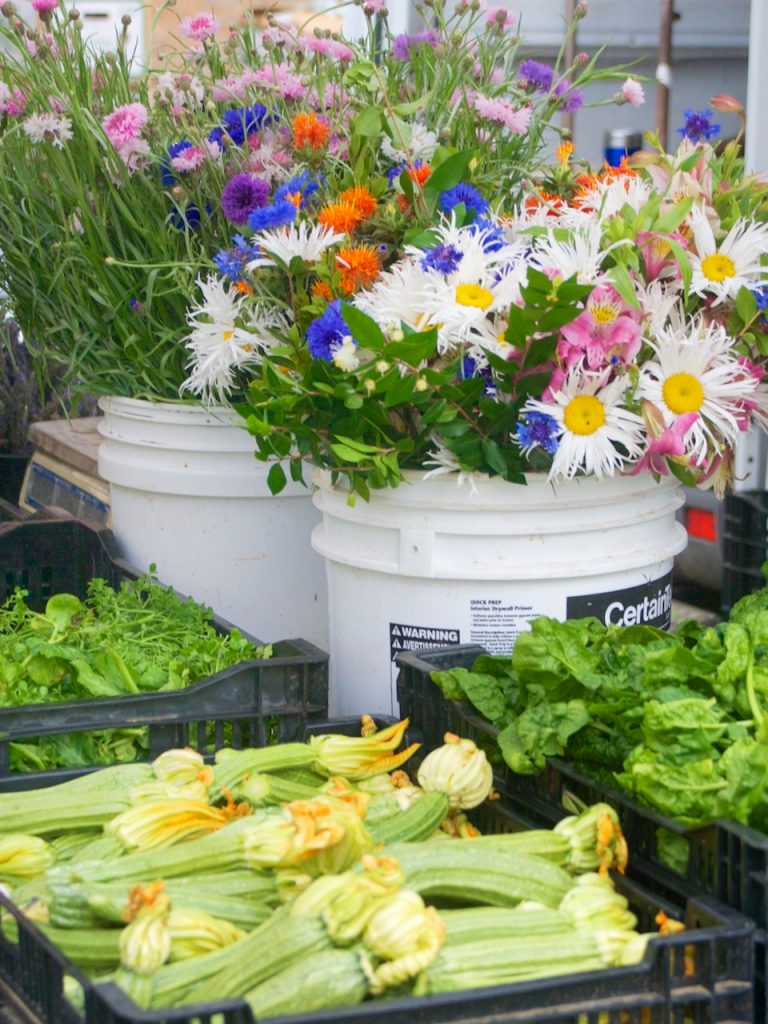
x=195, y=932
x=166, y=822
x=407, y=935
x=593, y=905
x=22, y=857
x=145, y=942
x=459, y=770
x=359, y=757
x=181, y=766
x=597, y=842
x=348, y=913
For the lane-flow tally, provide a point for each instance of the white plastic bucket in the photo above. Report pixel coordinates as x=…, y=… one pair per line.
x=189, y=496
x=435, y=563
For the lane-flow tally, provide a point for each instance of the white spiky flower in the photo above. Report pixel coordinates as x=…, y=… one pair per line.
x=53, y=128
x=581, y=254
x=280, y=245
x=225, y=335
x=720, y=270
x=596, y=433
x=695, y=370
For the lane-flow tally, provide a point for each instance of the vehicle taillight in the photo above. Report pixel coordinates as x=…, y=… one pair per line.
x=701, y=524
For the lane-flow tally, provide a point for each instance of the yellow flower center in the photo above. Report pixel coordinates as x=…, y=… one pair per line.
x=717, y=266
x=473, y=295
x=227, y=335
x=584, y=414
x=682, y=393
x=604, y=313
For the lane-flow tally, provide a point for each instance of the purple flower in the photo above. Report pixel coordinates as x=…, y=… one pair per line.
x=466, y=194
x=404, y=46
x=538, y=430
x=273, y=216
x=443, y=258
x=575, y=98
x=536, y=74
x=242, y=194
x=698, y=126
x=327, y=332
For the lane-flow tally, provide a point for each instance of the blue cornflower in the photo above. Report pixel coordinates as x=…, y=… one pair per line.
x=466, y=194
x=273, y=216
x=492, y=235
x=231, y=262
x=188, y=218
x=444, y=258
x=167, y=175
x=217, y=135
x=538, y=430
x=760, y=292
x=327, y=332
x=304, y=184
x=698, y=126
x=469, y=369
x=240, y=122
x=135, y=306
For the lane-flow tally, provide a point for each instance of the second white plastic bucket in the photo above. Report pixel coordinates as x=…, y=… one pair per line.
x=189, y=496
x=435, y=563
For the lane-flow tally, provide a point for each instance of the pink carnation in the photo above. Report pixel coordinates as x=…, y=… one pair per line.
x=226, y=89
x=199, y=27
x=124, y=125
x=515, y=121
x=189, y=159
x=633, y=93
x=498, y=16
x=44, y=6
x=328, y=48
x=13, y=103
x=289, y=85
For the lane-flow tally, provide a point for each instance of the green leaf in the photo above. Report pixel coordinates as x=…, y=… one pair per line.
x=368, y=122
x=363, y=328
x=671, y=219
x=400, y=390
x=62, y=609
x=257, y=427
x=621, y=281
x=414, y=348
x=276, y=479
x=494, y=456
x=746, y=304
x=450, y=172
x=347, y=454
x=406, y=109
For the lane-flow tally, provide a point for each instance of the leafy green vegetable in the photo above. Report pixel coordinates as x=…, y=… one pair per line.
x=139, y=638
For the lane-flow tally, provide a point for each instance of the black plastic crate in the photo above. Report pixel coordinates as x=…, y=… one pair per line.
x=256, y=702
x=745, y=545
x=726, y=861
x=700, y=975
x=10, y=514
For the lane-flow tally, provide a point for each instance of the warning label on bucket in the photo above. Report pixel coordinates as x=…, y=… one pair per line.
x=419, y=638
x=495, y=623
x=650, y=604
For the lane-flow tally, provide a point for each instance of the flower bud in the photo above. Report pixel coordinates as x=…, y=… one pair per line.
x=458, y=769
x=23, y=856
x=145, y=942
x=407, y=935
x=180, y=766
x=727, y=104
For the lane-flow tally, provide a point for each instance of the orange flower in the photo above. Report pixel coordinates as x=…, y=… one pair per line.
x=359, y=265
x=244, y=289
x=322, y=290
x=564, y=151
x=419, y=174
x=360, y=198
x=403, y=203
x=295, y=198
x=309, y=130
x=341, y=217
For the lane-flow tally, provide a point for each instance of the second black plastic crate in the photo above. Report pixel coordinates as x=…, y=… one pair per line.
x=744, y=545
x=257, y=702
x=726, y=861
x=700, y=975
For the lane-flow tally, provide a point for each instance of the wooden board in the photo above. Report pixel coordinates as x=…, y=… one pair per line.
x=74, y=442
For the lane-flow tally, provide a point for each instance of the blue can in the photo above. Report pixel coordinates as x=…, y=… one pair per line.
x=621, y=142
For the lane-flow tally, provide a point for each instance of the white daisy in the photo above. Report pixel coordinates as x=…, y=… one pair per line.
x=696, y=370
x=282, y=244
x=596, y=433
x=423, y=144
x=346, y=356
x=721, y=270
x=399, y=295
x=225, y=336
x=581, y=254
x=53, y=128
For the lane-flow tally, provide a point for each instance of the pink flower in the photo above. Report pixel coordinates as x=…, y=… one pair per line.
x=663, y=443
x=226, y=89
x=199, y=27
x=515, y=121
x=135, y=154
x=372, y=6
x=606, y=331
x=45, y=6
x=555, y=385
x=498, y=16
x=289, y=85
x=189, y=159
x=125, y=124
x=633, y=93
x=13, y=103
x=327, y=48
x=657, y=253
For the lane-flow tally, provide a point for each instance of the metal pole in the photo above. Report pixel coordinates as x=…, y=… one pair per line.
x=664, y=69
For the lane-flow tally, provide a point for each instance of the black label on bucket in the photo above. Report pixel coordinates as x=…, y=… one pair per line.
x=419, y=638
x=650, y=604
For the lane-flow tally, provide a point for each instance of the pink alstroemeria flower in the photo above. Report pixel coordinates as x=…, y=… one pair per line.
x=670, y=443
x=607, y=330
x=657, y=254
